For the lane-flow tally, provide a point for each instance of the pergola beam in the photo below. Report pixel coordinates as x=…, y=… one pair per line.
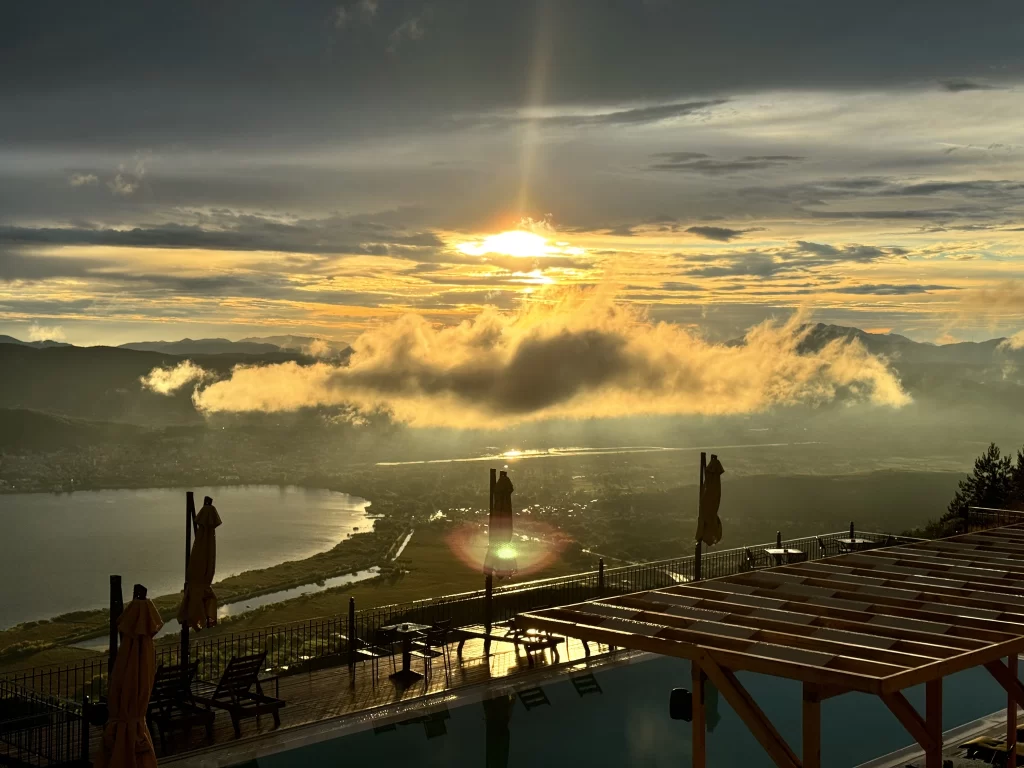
x=699, y=739
x=909, y=719
x=811, y=751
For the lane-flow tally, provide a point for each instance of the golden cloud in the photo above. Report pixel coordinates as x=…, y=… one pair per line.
x=581, y=356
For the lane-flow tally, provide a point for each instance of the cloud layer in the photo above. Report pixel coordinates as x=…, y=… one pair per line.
x=581, y=356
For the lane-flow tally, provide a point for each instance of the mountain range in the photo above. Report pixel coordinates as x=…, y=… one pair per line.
x=253, y=345
x=985, y=377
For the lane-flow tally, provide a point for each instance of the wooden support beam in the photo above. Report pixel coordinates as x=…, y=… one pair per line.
x=699, y=738
x=1010, y=682
x=933, y=719
x=811, y=727
x=1011, y=716
x=751, y=714
x=909, y=718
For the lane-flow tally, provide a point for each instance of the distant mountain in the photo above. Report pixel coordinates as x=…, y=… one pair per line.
x=202, y=347
x=103, y=383
x=902, y=350
x=254, y=345
x=308, y=345
x=36, y=344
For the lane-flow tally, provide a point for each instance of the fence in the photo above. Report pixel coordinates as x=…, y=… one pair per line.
x=301, y=645
x=40, y=730
x=983, y=518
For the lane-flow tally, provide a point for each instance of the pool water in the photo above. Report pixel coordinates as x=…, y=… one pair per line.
x=624, y=721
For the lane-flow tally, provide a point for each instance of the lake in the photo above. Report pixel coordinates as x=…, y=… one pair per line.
x=60, y=549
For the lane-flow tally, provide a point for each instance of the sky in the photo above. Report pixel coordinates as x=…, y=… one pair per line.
x=251, y=168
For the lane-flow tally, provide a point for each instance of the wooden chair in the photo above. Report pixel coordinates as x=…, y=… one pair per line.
x=171, y=706
x=235, y=693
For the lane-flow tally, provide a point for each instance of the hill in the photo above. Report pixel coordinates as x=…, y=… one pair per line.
x=36, y=344
x=202, y=347
x=102, y=383
x=25, y=430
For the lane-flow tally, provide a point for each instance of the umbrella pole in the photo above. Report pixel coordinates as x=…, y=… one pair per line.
x=700, y=500
x=116, y=608
x=190, y=513
x=489, y=578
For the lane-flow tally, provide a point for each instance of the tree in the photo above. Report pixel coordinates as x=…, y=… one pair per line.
x=995, y=482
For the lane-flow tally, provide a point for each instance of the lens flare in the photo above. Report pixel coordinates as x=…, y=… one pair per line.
x=534, y=546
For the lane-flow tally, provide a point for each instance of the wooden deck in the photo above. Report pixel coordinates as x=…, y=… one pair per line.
x=326, y=694
x=877, y=621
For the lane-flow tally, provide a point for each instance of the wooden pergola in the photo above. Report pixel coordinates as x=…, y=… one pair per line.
x=878, y=622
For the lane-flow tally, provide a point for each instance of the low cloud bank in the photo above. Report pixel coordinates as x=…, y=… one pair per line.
x=583, y=356
x=167, y=381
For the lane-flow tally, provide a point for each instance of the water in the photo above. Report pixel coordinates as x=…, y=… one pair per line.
x=172, y=627
x=627, y=723
x=60, y=549
x=551, y=453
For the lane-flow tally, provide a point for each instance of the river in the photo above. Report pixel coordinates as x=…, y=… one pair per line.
x=60, y=549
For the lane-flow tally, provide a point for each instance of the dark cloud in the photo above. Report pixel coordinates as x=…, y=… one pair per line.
x=240, y=232
x=695, y=162
x=802, y=256
x=888, y=289
x=958, y=85
x=721, y=234
x=285, y=72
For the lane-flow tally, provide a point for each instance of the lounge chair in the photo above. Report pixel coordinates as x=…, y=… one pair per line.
x=171, y=707
x=235, y=693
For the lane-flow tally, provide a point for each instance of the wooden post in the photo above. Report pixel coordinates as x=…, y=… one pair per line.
x=600, y=577
x=778, y=539
x=489, y=578
x=697, y=575
x=699, y=737
x=116, y=609
x=853, y=534
x=190, y=515
x=933, y=722
x=811, y=753
x=352, y=634
x=1011, y=717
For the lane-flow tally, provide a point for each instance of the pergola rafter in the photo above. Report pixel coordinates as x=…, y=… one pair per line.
x=878, y=622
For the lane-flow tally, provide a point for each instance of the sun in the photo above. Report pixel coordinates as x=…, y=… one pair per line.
x=512, y=243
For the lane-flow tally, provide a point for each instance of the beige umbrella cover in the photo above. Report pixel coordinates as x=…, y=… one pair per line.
x=126, y=740
x=709, y=525
x=199, y=604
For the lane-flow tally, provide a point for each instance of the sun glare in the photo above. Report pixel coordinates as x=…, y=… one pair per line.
x=516, y=243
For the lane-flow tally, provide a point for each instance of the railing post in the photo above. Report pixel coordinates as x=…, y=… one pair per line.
x=600, y=577
x=488, y=608
x=190, y=514
x=696, y=561
x=116, y=608
x=84, y=746
x=352, y=633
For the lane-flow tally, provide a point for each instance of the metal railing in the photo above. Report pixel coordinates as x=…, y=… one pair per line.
x=40, y=730
x=302, y=645
x=983, y=518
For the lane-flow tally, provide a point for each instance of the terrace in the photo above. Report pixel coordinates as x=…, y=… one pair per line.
x=329, y=691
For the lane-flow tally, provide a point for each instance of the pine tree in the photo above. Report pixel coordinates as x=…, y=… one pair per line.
x=992, y=484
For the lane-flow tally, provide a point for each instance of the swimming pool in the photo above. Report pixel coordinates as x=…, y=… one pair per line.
x=618, y=716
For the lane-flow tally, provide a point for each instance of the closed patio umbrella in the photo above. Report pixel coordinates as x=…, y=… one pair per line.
x=709, y=525
x=199, y=604
x=126, y=740
x=500, y=559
